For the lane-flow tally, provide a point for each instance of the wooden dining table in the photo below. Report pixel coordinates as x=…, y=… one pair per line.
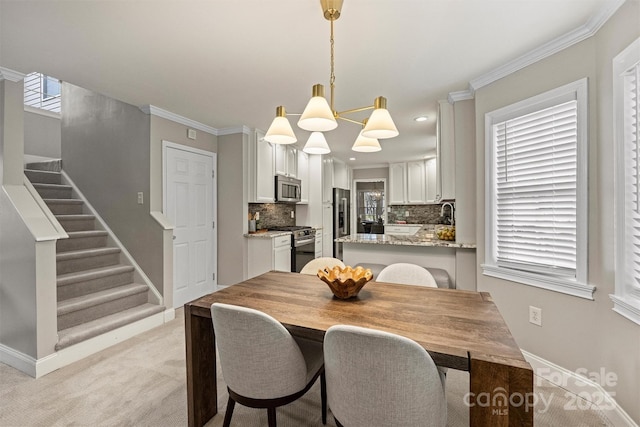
x=460, y=329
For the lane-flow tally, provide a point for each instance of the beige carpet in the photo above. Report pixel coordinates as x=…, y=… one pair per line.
x=141, y=382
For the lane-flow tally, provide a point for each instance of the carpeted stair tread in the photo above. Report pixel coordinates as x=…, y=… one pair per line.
x=75, y=217
x=94, y=273
x=53, y=165
x=86, y=233
x=96, y=298
x=63, y=201
x=38, y=185
x=70, y=336
x=43, y=177
x=84, y=253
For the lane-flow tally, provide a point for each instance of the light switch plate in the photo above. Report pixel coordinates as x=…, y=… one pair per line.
x=140, y=198
x=191, y=133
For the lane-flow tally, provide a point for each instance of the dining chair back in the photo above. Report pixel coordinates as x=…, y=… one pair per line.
x=407, y=274
x=262, y=364
x=383, y=379
x=314, y=265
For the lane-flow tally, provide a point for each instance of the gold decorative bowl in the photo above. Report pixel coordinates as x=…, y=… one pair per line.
x=345, y=282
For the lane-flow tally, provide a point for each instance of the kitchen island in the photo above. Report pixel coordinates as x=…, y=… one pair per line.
x=422, y=248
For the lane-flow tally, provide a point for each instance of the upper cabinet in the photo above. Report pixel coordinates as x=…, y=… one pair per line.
x=341, y=175
x=335, y=174
x=286, y=160
x=412, y=183
x=397, y=184
x=262, y=169
x=431, y=166
x=303, y=175
x=445, y=146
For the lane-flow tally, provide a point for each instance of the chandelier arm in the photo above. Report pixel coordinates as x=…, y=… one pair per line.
x=346, y=119
x=353, y=110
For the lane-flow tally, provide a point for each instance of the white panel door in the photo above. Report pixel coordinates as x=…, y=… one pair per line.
x=189, y=204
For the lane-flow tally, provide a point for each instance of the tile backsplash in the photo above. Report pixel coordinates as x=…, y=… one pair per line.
x=273, y=214
x=417, y=214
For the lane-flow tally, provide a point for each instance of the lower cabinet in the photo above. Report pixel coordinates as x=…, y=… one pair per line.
x=318, y=243
x=266, y=254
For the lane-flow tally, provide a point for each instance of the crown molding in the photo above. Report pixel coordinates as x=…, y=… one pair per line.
x=11, y=75
x=554, y=46
x=230, y=131
x=461, y=95
x=159, y=112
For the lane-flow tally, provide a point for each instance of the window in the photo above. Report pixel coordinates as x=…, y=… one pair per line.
x=50, y=87
x=42, y=92
x=626, y=69
x=536, y=187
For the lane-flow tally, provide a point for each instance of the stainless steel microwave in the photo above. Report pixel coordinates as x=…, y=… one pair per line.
x=288, y=189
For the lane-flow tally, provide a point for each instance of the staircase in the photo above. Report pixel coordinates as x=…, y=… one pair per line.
x=96, y=291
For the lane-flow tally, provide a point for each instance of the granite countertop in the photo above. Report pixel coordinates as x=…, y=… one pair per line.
x=424, y=237
x=267, y=234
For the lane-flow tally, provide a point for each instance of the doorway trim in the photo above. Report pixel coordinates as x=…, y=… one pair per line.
x=214, y=200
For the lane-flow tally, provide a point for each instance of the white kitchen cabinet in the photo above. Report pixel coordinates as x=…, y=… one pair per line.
x=261, y=170
x=286, y=160
x=266, y=254
x=408, y=183
x=397, y=187
x=416, y=182
x=327, y=180
x=282, y=253
x=303, y=175
x=341, y=175
x=445, y=147
x=432, y=176
x=318, y=251
x=327, y=229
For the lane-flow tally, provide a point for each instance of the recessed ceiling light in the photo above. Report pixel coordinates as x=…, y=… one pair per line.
x=421, y=119
x=352, y=158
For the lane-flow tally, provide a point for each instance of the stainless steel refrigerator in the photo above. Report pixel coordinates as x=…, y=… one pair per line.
x=341, y=218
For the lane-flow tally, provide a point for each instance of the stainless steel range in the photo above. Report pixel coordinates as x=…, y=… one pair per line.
x=303, y=245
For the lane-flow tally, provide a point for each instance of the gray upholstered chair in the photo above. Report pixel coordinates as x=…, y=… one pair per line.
x=376, y=378
x=407, y=274
x=262, y=364
x=314, y=265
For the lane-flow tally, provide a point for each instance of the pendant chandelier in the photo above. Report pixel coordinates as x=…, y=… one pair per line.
x=320, y=116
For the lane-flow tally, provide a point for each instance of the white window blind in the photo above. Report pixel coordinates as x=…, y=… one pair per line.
x=536, y=190
x=631, y=111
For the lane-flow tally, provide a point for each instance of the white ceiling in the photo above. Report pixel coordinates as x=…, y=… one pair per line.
x=227, y=63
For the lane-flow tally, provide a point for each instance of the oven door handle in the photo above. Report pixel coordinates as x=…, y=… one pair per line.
x=299, y=243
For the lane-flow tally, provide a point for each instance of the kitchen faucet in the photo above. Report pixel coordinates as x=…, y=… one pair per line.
x=452, y=209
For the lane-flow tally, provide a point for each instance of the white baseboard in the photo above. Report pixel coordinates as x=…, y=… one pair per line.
x=169, y=314
x=18, y=360
x=582, y=387
x=40, y=367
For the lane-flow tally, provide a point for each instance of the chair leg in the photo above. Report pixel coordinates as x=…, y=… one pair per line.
x=323, y=397
x=271, y=416
x=229, y=412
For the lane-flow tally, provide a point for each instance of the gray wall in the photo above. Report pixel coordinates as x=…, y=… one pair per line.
x=232, y=208
x=42, y=135
x=105, y=151
x=575, y=333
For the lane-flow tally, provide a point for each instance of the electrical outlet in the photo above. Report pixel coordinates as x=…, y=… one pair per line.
x=406, y=213
x=140, y=198
x=535, y=315
x=293, y=214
